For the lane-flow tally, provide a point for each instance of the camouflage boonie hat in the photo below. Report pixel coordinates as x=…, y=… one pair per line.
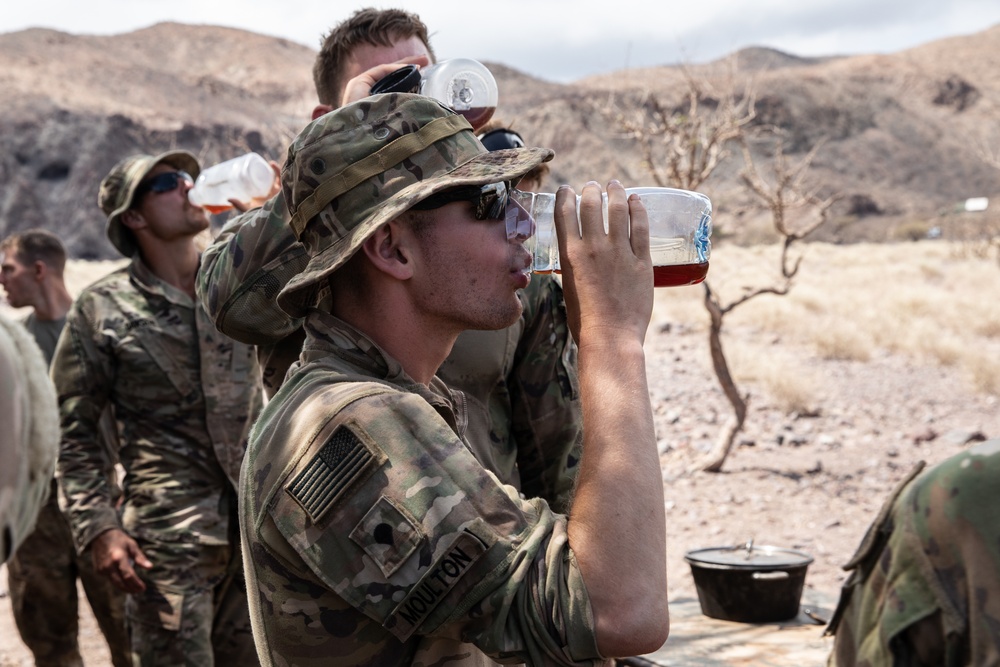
x=358, y=167
x=118, y=188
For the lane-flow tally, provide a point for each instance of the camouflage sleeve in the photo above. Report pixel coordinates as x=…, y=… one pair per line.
x=546, y=421
x=243, y=270
x=924, y=593
x=82, y=374
x=418, y=537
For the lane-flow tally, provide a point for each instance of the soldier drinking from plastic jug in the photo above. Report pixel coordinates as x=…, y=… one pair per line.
x=372, y=533
x=184, y=396
x=520, y=381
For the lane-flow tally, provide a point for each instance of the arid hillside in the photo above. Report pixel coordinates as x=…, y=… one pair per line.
x=902, y=135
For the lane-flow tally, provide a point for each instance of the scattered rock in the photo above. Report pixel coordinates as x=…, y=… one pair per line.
x=827, y=440
x=960, y=438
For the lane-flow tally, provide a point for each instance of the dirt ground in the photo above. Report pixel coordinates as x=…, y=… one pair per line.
x=807, y=482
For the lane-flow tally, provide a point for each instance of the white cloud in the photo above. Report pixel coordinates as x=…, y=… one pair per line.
x=562, y=39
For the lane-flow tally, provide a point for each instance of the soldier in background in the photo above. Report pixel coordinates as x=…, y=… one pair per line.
x=924, y=589
x=520, y=381
x=373, y=535
x=31, y=272
x=43, y=574
x=184, y=397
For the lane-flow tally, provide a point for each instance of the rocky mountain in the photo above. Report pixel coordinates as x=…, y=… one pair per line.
x=902, y=134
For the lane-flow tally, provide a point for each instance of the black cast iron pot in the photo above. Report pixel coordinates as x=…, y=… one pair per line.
x=747, y=583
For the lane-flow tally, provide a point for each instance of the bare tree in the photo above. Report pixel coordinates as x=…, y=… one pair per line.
x=783, y=193
x=682, y=147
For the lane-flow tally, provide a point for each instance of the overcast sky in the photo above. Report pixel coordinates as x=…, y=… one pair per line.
x=560, y=40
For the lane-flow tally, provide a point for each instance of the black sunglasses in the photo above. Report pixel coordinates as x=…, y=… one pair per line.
x=165, y=182
x=490, y=201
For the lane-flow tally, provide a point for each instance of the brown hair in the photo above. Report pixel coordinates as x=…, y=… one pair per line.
x=377, y=27
x=36, y=245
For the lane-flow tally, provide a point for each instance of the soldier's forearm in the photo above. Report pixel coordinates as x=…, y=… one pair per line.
x=617, y=525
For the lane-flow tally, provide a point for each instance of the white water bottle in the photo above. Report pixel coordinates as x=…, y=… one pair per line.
x=243, y=178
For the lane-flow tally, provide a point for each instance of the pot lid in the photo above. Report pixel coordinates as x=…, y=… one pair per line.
x=749, y=556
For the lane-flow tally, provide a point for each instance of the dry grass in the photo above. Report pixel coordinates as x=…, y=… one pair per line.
x=789, y=386
x=927, y=300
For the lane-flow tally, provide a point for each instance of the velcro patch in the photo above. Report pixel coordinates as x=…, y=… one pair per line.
x=439, y=579
x=340, y=462
x=388, y=534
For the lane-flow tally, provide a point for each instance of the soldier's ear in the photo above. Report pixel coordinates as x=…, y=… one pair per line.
x=40, y=269
x=132, y=219
x=388, y=250
x=321, y=110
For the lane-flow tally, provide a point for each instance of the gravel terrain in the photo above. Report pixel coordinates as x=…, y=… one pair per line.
x=810, y=481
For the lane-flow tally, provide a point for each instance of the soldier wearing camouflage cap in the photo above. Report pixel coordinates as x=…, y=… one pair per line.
x=520, y=381
x=184, y=397
x=372, y=532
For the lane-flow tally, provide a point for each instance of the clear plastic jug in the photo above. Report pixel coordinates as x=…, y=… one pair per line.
x=243, y=178
x=462, y=84
x=680, y=229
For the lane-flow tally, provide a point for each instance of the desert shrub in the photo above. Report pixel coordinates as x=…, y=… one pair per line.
x=837, y=339
x=786, y=384
x=985, y=371
x=913, y=230
x=946, y=348
x=989, y=327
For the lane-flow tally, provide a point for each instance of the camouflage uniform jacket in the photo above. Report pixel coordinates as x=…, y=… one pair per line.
x=925, y=586
x=373, y=535
x=521, y=381
x=184, y=397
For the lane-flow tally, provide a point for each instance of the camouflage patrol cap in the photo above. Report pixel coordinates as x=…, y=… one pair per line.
x=118, y=189
x=358, y=167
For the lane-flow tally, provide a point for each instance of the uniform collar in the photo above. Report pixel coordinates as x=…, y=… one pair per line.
x=328, y=335
x=149, y=282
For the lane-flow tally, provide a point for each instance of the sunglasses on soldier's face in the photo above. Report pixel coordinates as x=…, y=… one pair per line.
x=490, y=201
x=165, y=182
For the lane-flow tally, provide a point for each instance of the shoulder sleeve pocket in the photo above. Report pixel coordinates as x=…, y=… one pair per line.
x=388, y=534
x=341, y=462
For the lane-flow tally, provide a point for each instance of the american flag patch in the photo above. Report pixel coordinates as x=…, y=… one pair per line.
x=341, y=461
